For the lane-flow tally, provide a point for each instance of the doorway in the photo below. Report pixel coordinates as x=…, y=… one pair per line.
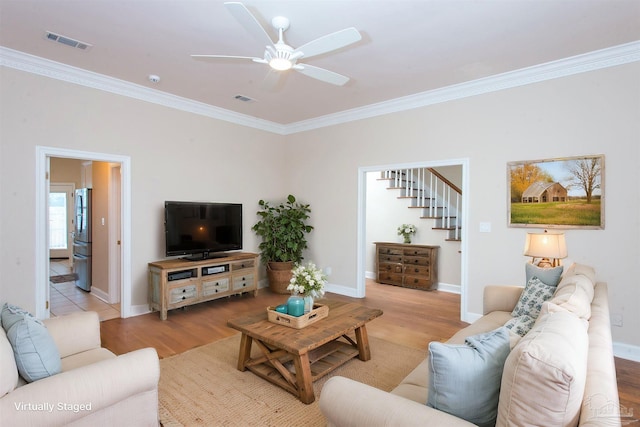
x=121, y=163
x=362, y=226
x=61, y=220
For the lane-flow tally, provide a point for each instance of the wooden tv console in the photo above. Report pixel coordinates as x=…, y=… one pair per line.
x=178, y=283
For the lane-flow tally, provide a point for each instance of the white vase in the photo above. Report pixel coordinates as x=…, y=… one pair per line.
x=308, y=303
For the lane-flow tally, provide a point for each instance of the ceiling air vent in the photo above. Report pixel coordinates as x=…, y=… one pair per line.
x=244, y=98
x=67, y=41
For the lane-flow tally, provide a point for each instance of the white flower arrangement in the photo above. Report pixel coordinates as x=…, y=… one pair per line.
x=307, y=280
x=406, y=230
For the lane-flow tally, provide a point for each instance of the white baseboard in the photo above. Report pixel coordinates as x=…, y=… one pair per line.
x=341, y=290
x=471, y=317
x=100, y=294
x=446, y=287
x=626, y=351
x=137, y=310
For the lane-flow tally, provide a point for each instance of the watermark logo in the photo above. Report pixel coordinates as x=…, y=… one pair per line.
x=600, y=407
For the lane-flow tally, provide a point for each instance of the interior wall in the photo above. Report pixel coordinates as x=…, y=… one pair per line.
x=589, y=113
x=66, y=170
x=174, y=156
x=182, y=156
x=100, y=177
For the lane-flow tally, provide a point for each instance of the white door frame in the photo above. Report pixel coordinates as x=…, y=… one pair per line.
x=43, y=154
x=362, y=226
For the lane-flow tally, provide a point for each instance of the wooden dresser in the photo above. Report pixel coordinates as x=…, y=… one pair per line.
x=407, y=265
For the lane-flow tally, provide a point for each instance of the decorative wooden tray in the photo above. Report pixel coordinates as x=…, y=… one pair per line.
x=319, y=311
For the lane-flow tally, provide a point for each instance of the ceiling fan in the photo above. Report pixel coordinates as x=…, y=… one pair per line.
x=282, y=57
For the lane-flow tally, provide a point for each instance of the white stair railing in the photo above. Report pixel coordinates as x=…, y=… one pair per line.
x=437, y=198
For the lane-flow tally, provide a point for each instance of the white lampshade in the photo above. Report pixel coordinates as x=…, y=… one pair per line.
x=545, y=245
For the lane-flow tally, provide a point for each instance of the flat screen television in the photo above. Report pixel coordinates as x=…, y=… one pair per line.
x=202, y=230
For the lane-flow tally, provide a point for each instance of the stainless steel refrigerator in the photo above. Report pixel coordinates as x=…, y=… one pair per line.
x=82, y=239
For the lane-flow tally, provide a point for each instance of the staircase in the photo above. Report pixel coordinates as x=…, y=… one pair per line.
x=430, y=192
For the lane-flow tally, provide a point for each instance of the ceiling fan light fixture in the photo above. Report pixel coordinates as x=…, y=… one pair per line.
x=280, y=64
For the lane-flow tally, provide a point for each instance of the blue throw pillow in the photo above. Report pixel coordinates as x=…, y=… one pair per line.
x=35, y=351
x=464, y=380
x=548, y=276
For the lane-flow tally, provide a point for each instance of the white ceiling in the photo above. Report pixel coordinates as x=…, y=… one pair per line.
x=408, y=46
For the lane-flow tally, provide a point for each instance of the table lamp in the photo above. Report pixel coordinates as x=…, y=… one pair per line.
x=549, y=247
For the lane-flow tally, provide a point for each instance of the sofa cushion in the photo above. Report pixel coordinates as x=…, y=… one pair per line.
x=9, y=377
x=583, y=270
x=534, y=294
x=544, y=376
x=35, y=352
x=574, y=294
x=464, y=380
x=548, y=276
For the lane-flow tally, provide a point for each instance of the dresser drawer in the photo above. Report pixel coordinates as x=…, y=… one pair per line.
x=417, y=282
x=417, y=252
x=417, y=270
x=183, y=293
x=242, y=282
x=212, y=287
x=416, y=260
x=387, y=250
x=390, y=267
x=390, y=258
x=391, y=278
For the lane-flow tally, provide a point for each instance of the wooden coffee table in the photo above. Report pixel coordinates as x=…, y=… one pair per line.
x=294, y=358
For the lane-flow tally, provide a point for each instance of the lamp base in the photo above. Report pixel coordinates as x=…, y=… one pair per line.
x=547, y=263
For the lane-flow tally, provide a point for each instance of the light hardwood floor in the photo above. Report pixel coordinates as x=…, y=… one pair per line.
x=411, y=318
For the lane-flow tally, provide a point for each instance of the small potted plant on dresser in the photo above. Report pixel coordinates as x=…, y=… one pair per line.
x=283, y=228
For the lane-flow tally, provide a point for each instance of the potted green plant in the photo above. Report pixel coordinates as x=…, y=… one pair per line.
x=283, y=228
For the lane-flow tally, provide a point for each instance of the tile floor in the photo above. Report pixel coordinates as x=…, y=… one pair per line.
x=67, y=298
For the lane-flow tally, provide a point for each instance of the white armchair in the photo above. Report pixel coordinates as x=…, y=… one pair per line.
x=95, y=387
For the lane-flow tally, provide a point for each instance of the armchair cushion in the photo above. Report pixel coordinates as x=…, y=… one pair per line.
x=464, y=380
x=35, y=352
x=9, y=377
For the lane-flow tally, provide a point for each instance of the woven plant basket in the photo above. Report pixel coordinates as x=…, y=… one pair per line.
x=279, y=275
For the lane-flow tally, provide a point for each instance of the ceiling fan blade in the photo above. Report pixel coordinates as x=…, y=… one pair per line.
x=330, y=42
x=207, y=57
x=321, y=74
x=249, y=22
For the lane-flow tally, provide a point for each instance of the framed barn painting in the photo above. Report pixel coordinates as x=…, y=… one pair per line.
x=557, y=193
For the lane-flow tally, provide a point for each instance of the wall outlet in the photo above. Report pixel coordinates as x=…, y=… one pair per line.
x=327, y=271
x=485, y=227
x=616, y=319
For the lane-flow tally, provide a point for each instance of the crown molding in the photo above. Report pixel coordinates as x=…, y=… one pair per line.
x=605, y=58
x=56, y=70
x=596, y=60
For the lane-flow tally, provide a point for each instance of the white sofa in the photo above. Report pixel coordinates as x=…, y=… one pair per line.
x=95, y=387
x=540, y=377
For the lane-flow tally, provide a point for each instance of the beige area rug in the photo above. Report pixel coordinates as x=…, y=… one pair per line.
x=203, y=387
